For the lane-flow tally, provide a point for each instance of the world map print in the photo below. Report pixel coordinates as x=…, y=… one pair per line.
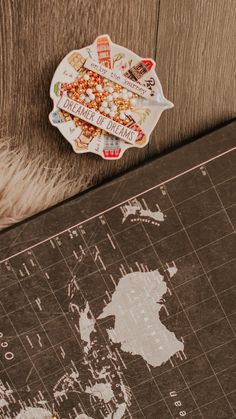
x=125, y=315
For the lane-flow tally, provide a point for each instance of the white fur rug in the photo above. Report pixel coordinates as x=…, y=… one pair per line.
x=28, y=186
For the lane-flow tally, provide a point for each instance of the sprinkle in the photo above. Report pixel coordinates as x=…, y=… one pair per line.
x=101, y=109
x=82, y=97
x=107, y=110
x=87, y=100
x=104, y=104
x=128, y=112
x=89, y=91
x=86, y=77
x=129, y=94
x=124, y=90
x=99, y=88
x=110, y=89
x=133, y=102
x=92, y=96
x=110, y=98
x=115, y=95
x=124, y=96
x=112, y=113
x=122, y=115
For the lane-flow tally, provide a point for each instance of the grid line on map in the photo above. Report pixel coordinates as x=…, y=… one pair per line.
x=195, y=250
x=187, y=386
x=130, y=198
x=62, y=311
x=29, y=356
x=158, y=388
x=206, y=272
x=85, y=300
x=146, y=381
x=170, y=316
x=40, y=323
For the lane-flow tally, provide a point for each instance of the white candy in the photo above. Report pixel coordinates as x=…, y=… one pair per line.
x=89, y=91
x=112, y=113
x=124, y=96
x=92, y=96
x=109, y=98
x=128, y=112
x=113, y=106
x=124, y=90
x=107, y=110
x=104, y=104
x=86, y=77
x=130, y=94
x=133, y=102
x=101, y=109
x=82, y=97
x=122, y=116
x=99, y=88
x=87, y=99
x=110, y=89
x=115, y=95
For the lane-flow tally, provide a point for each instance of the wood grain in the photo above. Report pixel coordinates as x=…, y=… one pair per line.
x=193, y=42
x=196, y=52
x=37, y=34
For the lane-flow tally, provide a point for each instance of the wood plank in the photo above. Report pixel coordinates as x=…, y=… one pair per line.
x=36, y=35
x=196, y=50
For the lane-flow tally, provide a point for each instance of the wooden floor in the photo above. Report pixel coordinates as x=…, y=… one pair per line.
x=192, y=41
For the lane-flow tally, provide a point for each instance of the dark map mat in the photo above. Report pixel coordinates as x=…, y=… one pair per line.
x=121, y=303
